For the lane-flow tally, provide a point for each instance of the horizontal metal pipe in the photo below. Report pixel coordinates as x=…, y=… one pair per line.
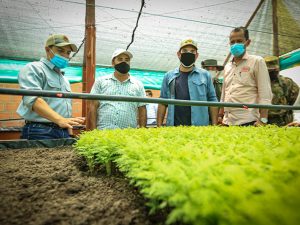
x=54, y=94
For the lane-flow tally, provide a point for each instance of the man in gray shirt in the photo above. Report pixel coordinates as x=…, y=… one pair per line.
x=48, y=118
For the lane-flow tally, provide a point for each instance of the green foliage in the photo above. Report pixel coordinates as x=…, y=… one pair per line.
x=208, y=175
x=97, y=149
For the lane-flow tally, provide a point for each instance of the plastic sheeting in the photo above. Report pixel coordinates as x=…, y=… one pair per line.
x=9, y=70
x=26, y=24
x=290, y=60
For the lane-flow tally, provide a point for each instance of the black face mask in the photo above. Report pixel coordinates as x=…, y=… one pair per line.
x=187, y=59
x=122, y=67
x=273, y=75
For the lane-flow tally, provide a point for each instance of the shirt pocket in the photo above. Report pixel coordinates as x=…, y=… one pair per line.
x=132, y=91
x=66, y=85
x=53, y=85
x=200, y=90
x=68, y=88
x=246, y=78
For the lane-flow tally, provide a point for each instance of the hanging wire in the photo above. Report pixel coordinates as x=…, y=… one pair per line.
x=120, y=20
x=137, y=23
x=83, y=40
x=179, y=18
x=38, y=13
x=157, y=15
x=201, y=7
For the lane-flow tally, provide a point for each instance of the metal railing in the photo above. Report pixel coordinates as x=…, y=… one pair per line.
x=85, y=96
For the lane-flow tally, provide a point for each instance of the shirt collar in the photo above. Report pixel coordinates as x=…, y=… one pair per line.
x=51, y=65
x=48, y=63
x=177, y=71
x=114, y=78
x=245, y=57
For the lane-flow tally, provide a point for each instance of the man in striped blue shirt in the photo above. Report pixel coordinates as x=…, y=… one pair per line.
x=113, y=114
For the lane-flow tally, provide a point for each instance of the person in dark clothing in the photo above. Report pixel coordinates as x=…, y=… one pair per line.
x=187, y=83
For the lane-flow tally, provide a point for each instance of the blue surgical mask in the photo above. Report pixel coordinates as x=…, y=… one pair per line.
x=59, y=61
x=237, y=49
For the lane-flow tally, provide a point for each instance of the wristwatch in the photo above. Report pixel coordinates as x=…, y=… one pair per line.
x=264, y=120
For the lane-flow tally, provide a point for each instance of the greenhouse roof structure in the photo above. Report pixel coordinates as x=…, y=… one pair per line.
x=26, y=24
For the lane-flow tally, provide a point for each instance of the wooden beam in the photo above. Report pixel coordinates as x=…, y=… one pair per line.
x=89, y=59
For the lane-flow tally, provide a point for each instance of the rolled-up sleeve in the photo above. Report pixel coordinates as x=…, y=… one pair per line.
x=30, y=79
x=263, y=82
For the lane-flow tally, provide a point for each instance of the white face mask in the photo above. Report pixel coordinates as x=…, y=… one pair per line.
x=213, y=74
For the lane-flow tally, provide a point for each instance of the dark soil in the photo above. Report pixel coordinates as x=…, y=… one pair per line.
x=52, y=186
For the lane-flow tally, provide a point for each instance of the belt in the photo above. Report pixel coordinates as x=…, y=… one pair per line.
x=248, y=124
x=43, y=123
x=279, y=116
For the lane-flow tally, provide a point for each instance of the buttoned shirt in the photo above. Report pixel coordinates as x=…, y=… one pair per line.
x=151, y=113
x=115, y=114
x=245, y=82
x=297, y=112
x=200, y=89
x=43, y=75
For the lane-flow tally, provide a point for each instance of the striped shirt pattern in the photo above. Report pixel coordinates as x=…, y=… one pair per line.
x=113, y=114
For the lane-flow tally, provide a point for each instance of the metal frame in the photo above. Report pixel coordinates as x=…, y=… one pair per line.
x=54, y=94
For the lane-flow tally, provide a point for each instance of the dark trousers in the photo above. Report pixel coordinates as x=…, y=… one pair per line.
x=40, y=131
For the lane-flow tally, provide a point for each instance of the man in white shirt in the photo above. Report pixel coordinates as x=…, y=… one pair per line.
x=151, y=110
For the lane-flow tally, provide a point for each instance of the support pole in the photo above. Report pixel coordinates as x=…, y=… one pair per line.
x=55, y=94
x=89, y=59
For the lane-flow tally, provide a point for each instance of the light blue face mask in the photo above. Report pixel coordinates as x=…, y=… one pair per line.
x=237, y=49
x=59, y=61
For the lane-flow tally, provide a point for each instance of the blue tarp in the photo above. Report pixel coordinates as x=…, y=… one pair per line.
x=9, y=70
x=290, y=60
